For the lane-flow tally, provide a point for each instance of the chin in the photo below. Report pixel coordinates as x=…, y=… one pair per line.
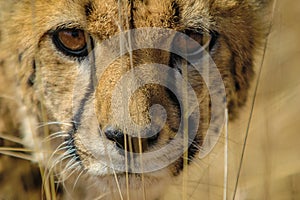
x=117, y=185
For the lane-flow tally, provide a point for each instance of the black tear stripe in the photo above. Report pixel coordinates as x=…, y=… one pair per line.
x=89, y=91
x=77, y=117
x=76, y=121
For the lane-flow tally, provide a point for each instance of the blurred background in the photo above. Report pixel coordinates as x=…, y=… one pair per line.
x=271, y=166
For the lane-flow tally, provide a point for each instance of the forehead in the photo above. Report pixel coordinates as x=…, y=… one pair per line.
x=107, y=17
x=112, y=15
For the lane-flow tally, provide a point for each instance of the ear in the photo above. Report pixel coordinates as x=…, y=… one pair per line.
x=243, y=70
x=248, y=22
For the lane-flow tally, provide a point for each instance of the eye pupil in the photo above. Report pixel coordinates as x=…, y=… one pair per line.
x=71, y=42
x=75, y=34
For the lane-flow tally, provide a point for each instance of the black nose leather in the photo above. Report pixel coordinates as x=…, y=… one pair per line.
x=132, y=143
x=115, y=135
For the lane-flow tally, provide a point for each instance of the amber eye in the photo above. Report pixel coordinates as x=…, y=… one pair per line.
x=191, y=43
x=71, y=42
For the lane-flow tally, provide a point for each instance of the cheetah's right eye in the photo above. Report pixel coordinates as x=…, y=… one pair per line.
x=71, y=42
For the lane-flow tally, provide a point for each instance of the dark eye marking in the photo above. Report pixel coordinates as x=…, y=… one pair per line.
x=71, y=42
x=193, y=42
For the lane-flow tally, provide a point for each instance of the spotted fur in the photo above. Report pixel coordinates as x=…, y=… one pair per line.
x=42, y=84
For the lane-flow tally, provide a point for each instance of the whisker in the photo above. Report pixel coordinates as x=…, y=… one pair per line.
x=61, y=158
x=55, y=135
x=57, y=160
x=77, y=179
x=50, y=170
x=54, y=123
x=59, y=148
x=70, y=163
x=69, y=172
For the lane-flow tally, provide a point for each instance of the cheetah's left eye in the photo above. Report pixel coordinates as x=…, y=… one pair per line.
x=71, y=42
x=192, y=43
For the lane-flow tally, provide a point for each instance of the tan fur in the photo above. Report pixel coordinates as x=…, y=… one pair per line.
x=25, y=39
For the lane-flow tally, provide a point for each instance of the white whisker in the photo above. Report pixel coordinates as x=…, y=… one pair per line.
x=59, y=160
x=54, y=123
x=77, y=179
x=62, y=134
x=68, y=173
x=59, y=148
x=70, y=163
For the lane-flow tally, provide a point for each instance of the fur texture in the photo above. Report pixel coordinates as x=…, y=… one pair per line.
x=39, y=83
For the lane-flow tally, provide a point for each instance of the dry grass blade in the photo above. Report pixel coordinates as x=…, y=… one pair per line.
x=12, y=139
x=254, y=100
x=17, y=155
x=15, y=149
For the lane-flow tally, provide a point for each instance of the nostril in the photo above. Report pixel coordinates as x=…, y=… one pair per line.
x=131, y=144
x=153, y=139
x=115, y=135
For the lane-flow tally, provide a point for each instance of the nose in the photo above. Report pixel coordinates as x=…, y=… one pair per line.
x=127, y=142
